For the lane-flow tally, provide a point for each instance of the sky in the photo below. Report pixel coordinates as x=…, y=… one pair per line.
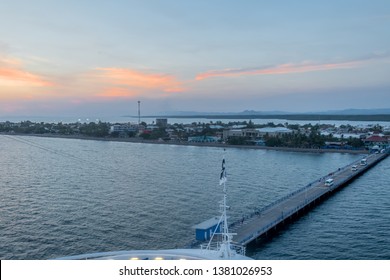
x=80, y=57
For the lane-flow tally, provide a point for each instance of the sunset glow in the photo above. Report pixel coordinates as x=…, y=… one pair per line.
x=207, y=56
x=12, y=74
x=140, y=80
x=277, y=70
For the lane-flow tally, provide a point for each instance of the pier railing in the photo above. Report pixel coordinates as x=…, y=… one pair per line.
x=302, y=202
x=300, y=190
x=262, y=220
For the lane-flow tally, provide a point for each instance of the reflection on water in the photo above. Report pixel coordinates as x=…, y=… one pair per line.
x=63, y=197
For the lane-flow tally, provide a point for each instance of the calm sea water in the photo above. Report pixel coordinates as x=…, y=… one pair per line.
x=61, y=197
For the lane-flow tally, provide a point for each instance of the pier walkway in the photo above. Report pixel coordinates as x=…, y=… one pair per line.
x=268, y=218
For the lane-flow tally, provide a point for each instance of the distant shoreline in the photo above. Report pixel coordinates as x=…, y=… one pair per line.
x=291, y=117
x=218, y=145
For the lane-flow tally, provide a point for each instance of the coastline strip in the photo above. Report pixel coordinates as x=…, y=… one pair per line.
x=183, y=143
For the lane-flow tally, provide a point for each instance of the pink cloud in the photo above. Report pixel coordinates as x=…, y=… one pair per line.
x=12, y=74
x=277, y=70
x=140, y=80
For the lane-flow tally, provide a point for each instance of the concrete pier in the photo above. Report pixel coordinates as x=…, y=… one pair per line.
x=270, y=217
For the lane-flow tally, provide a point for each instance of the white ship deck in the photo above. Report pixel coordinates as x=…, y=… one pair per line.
x=173, y=254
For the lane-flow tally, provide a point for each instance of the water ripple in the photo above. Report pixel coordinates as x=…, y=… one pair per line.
x=77, y=196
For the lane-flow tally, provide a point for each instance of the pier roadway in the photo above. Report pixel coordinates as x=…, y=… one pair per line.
x=262, y=221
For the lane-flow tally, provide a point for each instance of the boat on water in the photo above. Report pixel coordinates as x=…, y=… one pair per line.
x=223, y=249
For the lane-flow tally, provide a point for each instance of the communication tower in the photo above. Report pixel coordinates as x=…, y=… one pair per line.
x=139, y=112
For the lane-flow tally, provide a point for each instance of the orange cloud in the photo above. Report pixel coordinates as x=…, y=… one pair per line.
x=12, y=74
x=277, y=70
x=140, y=80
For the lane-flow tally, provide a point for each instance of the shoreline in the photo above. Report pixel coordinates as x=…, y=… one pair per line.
x=218, y=145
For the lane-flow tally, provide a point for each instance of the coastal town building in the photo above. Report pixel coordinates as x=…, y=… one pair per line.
x=273, y=131
x=152, y=127
x=123, y=128
x=216, y=126
x=335, y=145
x=162, y=122
x=376, y=142
x=346, y=137
x=227, y=133
x=255, y=133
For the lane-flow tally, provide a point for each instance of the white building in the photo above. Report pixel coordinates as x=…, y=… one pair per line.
x=120, y=128
x=273, y=131
x=255, y=133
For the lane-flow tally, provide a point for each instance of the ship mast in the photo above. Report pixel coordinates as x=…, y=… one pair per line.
x=225, y=249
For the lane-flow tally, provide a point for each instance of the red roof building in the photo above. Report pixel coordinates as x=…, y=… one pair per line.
x=376, y=141
x=376, y=138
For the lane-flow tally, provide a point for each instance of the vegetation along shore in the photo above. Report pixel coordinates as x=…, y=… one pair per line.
x=239, y=134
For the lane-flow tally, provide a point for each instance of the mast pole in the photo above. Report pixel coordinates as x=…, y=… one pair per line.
x=225, y=250
x=226, y=236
